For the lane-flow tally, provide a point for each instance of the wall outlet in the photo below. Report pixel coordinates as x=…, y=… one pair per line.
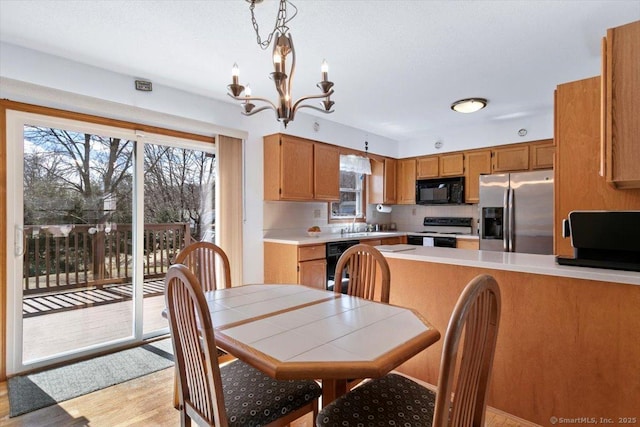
x=413, y=211
x=317, y=213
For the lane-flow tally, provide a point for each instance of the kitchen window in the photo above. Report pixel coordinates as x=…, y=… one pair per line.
x=351, y=202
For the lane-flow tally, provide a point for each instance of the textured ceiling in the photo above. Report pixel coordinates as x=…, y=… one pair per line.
x=397, y=65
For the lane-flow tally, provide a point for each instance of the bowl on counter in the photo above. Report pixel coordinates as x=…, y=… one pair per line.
x=313, y=233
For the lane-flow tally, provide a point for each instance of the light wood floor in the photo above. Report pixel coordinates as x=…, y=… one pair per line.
x=145, y=401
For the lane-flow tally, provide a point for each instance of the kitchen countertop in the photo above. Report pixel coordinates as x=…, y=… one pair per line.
x=457, y=236
x=298, y=238
x=301, y=238
x=509, y=261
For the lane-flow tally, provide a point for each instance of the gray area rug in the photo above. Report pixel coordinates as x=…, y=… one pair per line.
x=30, y=392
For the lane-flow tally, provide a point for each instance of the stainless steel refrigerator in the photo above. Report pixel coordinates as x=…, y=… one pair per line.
x=516, y=212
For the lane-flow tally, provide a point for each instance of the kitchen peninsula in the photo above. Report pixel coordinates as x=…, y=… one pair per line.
x=568, y=340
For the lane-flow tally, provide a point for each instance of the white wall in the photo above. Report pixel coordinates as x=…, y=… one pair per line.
x=497, y=132
x=42, y=79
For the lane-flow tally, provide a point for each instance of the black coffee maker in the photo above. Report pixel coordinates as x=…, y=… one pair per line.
x=603, y=239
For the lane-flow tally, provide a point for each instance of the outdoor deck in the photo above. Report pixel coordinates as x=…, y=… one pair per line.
x=37, y=305
x=54, y=331
x=77, y=283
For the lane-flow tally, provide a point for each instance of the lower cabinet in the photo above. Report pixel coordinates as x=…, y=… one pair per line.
x=396, y=240
x=468, y=244
x=312, y=266
x=304, y=264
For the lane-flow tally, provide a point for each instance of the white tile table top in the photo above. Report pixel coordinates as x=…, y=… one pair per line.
x=320, y=333
x=228, y=306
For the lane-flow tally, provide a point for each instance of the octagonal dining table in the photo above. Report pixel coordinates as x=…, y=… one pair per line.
x=299, y=332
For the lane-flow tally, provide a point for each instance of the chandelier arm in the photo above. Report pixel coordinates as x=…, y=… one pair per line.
x=257, y=110
x=322, y=95
x=253, y=98
x=322, y=110
x=293, y=65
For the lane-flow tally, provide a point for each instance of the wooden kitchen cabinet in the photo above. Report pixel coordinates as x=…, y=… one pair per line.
x=541, y=155
x=395, y=240
x=326, y=172
x=440, y=166
x=381, y=184
x=468, y=244
x=313, y=273
x=427, y=167
x=621, y=106
x=511, y=159
x=476, y=163
x=452, y=164
x=406, y=189
x=577, y=183
x=304, y=264
x=298, y=169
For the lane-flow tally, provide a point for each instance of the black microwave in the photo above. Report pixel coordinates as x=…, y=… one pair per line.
x=440, y=191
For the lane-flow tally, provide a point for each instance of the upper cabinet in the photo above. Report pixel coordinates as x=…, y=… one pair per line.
x=439, y=166
x=511, y=159
x=381, y=185
x=541, y=155
x=621, y=106
x=427, y=167
x=406, y=182
x=326, y=172
x=297, y=169
x=476, y=163
x=452, y=164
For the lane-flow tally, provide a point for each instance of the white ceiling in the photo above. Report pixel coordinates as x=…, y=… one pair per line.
x=397, y=65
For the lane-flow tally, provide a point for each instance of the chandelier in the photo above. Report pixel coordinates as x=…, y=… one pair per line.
x=282, y=75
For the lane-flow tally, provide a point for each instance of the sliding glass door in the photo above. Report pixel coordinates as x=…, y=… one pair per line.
x=96, y=217
x=179, y=208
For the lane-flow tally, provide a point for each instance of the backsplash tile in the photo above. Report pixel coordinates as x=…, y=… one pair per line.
x=298, y=216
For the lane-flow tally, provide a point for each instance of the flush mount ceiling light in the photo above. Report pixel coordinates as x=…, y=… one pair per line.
x=282, y=76
x=469, y=105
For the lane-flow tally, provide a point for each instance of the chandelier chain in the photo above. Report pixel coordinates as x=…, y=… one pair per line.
x=281, y=22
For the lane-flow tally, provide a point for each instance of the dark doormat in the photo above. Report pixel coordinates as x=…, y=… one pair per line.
x=30, y=392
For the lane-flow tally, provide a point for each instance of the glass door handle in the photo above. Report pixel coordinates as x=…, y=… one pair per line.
x=18, y=243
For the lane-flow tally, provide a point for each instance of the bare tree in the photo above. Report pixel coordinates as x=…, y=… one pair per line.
x=68, y=175
x=179, y=186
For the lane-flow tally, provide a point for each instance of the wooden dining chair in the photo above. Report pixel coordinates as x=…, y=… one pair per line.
x=209, y=263
x=231, y=395
x=361, y=263
x=397, y=400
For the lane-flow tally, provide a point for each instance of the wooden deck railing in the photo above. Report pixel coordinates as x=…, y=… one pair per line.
x=59, y=257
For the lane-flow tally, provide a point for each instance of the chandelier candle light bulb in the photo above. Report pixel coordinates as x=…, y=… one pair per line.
x=325, y=70
x=277, y=62
x=235, y=73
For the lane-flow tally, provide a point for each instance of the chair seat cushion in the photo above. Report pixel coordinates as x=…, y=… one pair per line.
x=252, y=398
x=392, y=400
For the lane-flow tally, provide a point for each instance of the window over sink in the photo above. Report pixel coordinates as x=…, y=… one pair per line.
x=352, y=200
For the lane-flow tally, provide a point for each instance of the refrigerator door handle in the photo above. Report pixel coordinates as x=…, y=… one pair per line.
x=505, y=220
x=511, y=219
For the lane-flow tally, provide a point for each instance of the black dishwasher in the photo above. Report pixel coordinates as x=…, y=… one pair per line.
x=334, y=251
